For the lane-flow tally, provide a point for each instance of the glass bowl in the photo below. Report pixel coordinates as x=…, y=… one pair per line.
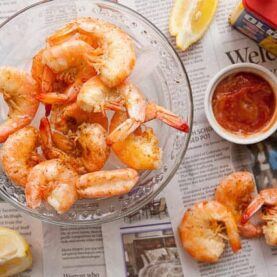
x=159, y=73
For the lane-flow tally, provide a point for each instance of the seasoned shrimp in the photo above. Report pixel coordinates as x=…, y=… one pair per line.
x=201, y=231
x=235, y=193
x=95, y=96
x=107, y=183
x=19, y=90
x=18, y=154
x=70, y=117
x=140, y=149
x=52, y=181
x=267, y=199
x=67, y=63
x=114, y=58
x=90, y=151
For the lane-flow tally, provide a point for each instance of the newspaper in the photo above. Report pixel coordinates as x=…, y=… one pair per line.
x=208, y=159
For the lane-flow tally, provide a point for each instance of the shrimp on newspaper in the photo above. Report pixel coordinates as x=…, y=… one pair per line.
x=52, y=181
x=140, y=149
x=201, y=231
x=65, y=63
x=89, y=153
x=18, y=154
x=95, y=96
x=114, y=56
x=267, y=199
x=107, y=183
x=235, y=193
x=19, y=90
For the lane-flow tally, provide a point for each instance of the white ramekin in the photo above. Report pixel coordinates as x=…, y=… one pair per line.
x=268, y=130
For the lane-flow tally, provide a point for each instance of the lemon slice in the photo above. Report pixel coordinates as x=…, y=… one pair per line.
x=15, y=254
x=190, y=19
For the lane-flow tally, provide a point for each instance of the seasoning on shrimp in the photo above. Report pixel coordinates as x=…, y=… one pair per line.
x=235, y=193
x=19, y=90
x=19, y=154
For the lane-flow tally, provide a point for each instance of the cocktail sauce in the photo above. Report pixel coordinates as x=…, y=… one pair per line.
x=243, y=103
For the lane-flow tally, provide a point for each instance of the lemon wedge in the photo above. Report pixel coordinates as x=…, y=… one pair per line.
x=189, y=19
x=15, y=254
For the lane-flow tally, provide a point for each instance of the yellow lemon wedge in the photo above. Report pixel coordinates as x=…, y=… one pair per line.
x=189, y=19
x=15, y=253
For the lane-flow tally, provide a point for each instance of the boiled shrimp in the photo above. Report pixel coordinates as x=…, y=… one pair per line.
x=19, y=90
x=67, y=63
x=140, y=149
x=52, y=181
x=107, y=183
x=95, y=96
x=267, y=199
x=90, y=151
x=201, y=231
x=69, y=117
x=113, y=58
x=235, y=193
x=19, y=154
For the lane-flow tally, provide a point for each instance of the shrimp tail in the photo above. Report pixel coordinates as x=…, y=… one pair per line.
x=252, y=208
x=48, y=108
x=154, y=111
x=122, y=131
x=249, y=230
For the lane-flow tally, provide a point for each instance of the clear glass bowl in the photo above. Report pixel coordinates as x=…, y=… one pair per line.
x=159, y=73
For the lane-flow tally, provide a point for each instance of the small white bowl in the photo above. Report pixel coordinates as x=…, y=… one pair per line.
x=268, y=130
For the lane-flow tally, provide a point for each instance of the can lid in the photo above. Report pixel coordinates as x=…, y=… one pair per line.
x=265, y=10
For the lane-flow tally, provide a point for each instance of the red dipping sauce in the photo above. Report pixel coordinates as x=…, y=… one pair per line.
x=243, y=103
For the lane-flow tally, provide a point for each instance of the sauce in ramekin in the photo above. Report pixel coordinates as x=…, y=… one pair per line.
x=243, y=103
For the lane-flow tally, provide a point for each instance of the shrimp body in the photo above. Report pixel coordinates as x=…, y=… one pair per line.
x=114, y=58
x=140, y=149
x=107, y=183
x=235, y=193
x=18, y=154
x=70, y=117
x=200, y=231
x=52, y=181
x=96, y=97
x=267, y=199
x=94, y=149
x=19, y=90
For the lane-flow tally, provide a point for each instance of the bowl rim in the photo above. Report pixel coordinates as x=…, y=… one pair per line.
x=178, y=160
x=241, y=67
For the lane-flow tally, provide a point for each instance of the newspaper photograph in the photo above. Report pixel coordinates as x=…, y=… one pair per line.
x=144, y=243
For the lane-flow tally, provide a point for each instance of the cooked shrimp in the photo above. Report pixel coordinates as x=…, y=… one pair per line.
x=114, y=58
x=140, y=111
x=70, y=117
x=95, y=97
x=18, y=154
x=94, y=149
x=90, y=151
x=19, y=90
x=107, y=183
x=68, y=64
x=201, y=231
x=52, y=181
x=268, y=199
x=140, y=149
x=235, y=193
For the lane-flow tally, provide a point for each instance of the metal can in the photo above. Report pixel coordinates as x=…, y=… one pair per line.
x=258, y=20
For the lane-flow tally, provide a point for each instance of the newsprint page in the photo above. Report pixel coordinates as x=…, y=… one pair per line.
x=146, y=243
x=142, y=244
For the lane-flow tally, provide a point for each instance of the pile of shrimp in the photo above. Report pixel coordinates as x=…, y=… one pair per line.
x=80, y=75
x=208, y=223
